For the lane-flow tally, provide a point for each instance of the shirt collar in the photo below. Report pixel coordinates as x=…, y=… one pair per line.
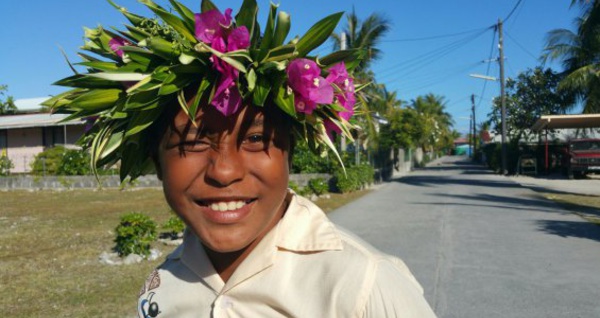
x=305, y=228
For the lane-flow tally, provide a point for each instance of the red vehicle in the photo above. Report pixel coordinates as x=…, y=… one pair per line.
x=582, y=157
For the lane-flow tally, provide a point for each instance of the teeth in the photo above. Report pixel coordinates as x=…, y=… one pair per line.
x=227, y=206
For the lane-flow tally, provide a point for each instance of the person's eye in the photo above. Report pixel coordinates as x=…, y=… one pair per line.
x=195, y=145
x=255, y=142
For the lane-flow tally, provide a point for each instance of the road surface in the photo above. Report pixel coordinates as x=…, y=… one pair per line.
x=482, y=245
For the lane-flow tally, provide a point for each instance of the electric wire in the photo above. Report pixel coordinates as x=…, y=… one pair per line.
x=512, y=11
x=520, y=46
x=415, y=64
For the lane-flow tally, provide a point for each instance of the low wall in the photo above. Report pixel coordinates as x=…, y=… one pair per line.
x=82, y=182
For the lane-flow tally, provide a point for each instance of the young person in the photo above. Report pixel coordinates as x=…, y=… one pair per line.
x=214, y=108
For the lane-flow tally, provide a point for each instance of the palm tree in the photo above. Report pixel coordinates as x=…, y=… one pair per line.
x=580, y=55
x=435, y=122
x=364, y=35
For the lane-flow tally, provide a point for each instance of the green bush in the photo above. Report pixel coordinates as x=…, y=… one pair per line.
x=48, y=161
x=74, y=163
x=305, y=161
x=355, y=178
x=135, y=233
x=294, y=186
x=318, y=186
x=174, y=225
x=5, y=166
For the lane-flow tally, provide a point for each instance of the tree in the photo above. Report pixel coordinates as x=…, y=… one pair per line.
x=532, y=94
x=7, y=106
x=364, y=35
x=435, y=123
x=580, y=55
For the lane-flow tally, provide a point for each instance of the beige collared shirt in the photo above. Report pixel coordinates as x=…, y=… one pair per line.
x=304, y=267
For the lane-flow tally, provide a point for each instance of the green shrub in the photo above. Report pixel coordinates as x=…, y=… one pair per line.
x=305, y=161
x=135, y=233
x=318, y=186
x=355, y=178
x=48, y=161
x=5, y=165
x=294, y=186
x=174, y=225
x=74, y=163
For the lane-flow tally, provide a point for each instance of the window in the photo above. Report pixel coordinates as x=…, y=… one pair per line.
x=53, y=135
x=3, y=141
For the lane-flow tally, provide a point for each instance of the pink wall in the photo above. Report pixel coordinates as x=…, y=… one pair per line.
x=25, y=143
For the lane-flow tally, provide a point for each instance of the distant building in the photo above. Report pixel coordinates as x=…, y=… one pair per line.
x=31, y=131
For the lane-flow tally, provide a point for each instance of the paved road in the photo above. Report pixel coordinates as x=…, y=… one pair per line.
x=482, y=245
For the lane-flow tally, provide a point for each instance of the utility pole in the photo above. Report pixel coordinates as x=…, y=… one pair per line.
x=471, y=137
x=502, y=97
x=343, y=47
x=474, y=125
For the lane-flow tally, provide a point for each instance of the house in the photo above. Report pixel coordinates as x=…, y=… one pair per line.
x=31, y=131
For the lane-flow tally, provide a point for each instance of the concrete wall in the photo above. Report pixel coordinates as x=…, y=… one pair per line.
x=75, y=182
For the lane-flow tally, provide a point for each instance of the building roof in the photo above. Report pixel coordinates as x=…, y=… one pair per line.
x=28, y=105
x=567, y=121
x=35, y=120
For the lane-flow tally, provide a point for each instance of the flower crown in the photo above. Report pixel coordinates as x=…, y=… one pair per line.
x=147, y=67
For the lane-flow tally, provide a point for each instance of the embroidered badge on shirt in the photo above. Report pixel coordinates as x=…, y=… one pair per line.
x=149, y=308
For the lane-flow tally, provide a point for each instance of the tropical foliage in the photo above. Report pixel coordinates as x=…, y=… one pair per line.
x=579, y=52
x=7, y=106
x=532, y=94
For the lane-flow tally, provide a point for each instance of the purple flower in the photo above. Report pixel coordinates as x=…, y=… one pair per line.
x=338, y=75
x=216, y=29
x=116, y=44
x=308, y=86
x=227, y=97
x=212, y=24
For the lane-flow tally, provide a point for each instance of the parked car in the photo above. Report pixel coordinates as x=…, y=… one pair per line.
x=582, y=156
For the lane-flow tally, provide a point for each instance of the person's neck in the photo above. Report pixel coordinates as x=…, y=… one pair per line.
x=226, y=263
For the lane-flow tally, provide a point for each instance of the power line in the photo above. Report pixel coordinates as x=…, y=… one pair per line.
x=512, y=11
x=520, y=46
x=434, y=37
x=415, y=64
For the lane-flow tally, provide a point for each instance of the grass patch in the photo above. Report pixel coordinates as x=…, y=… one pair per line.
x=586, y=206
x=337, y=200
x=50, y=243
x=49, y=247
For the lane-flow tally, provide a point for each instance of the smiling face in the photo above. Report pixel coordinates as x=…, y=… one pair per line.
x=227, y=178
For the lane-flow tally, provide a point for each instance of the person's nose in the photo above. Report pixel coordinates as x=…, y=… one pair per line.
x=226, y=166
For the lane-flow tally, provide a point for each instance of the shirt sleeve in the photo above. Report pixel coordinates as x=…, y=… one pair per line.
x=396, y=293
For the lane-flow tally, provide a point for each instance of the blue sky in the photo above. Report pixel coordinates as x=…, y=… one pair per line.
x=432, y=48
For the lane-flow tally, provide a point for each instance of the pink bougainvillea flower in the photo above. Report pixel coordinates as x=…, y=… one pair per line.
x=227, y=97
x=212, y=24
x=216, y=29
x=338, y=75
x=238, y=39
x=308, y=86
x=116, y=44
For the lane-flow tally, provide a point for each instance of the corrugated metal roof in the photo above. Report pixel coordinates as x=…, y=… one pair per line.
x=35, y=120
x=567, y=121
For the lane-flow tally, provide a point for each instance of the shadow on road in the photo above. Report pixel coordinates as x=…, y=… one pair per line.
x=428, y=181
x=501, y=202
x=583, y=229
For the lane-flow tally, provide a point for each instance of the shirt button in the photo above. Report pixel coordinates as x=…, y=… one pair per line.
x=226, y=302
